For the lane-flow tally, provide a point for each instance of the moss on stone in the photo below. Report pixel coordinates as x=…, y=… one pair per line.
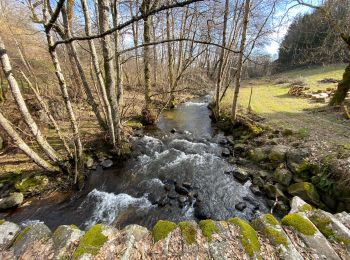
x=208, y=228
x=270, y=219
x=249, y=237
x=21, y=234
x=162, y=229
x=277, y=236
x=31, y=184
x=305, y=208
x=300, y=223
x=2, y=221
x=91, y=242
x=73, y=226
x=322, y=223
x=188, y=231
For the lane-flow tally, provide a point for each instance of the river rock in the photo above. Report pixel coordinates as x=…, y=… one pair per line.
x=107, y=163
x=258, y=154
x=65, y=239
x=202, y=211
x=163, y=201
x=278, y=153
x=32, y=184
x=89, y=162
x=240, y=174
x=283, y=176
x=187, y=185
x=13, y=200
x=258, y=181
x=181, y=190
x=305, y=191
x=241, y=206
x=8, y=231
x=37, y=233
x=240, y=147
x=255, y=189
x=182, y=199
x=344, y=218
x=298, y=164
x=173, y=195
x=272, y=191
x=173, y=131
x=225, y=152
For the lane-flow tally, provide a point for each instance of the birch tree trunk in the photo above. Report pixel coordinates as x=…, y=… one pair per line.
x=62, y=84
x=240, y=60
x=98, y=72
x=104, y=13
x=16, y=92
x=4, y=123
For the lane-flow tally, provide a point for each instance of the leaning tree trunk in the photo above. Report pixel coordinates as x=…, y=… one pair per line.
x=16, y=92
x=104, y=13
x=240, y=60
x=4, y=123
x=63, y=85
x=90, y=98
x=342, y=89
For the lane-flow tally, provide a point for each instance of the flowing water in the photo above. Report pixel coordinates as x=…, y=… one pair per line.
x=175, y=176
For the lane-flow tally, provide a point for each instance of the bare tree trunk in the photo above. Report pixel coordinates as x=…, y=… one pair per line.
x=63, y=86
x=170, y=59
x=221, y=62
x=98, y=72
x=240, y=60
x=4, y=123
x=146, y=54
x=90, y=98
x=16, y=92
x=104, y=12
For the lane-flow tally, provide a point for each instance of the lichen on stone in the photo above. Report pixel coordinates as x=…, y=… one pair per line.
x=91, y=242
x=188, y=231
x=270, y=219
x=277, y=236
x=300, y=223
x=249, y=237
x=208, y=228
x=162, y=229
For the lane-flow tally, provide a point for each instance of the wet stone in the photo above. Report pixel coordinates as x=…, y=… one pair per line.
x=168, y=187
x=183, y=199
x=241, y=206
x=255, y=190
x=187, y=185
x=173, y=130
x=163, y=201
x=225, y=152
x=240, y=174
x=173, y=195
x=181, y=190
x=107, y=163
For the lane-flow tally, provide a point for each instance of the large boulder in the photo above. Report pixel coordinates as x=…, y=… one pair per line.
x=8, y=231
x=306, y=191
x=65, y=239
x=13, y=200
x=299, y=165
x=283, y=176
x=32, y=184
x=31, y=235
x=278, y=153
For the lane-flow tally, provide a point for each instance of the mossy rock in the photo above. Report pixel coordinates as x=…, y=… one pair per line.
x=188, y=231
x=248, y=237
x=257, y=154
x=270, y=219
x=91, y=242
x=283, y=176
x=277, y=237
x=300, y=223
x=306, y=191
x=162, y=229
x=208, y=228
x=32, y=184
x=272, y=191
x=305, y=208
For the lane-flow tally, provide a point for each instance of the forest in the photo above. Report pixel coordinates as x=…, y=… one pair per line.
x=174, y=115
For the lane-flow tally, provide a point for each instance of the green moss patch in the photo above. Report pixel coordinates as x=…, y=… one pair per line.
x=188, y=231
x=2, y=221
x=22, y=233
x=277, y=236
x=300, y=223
x=270, y=219
x=32, y=184
x=208, y=228
x=323, y=224
x=91, y=242
x=249, y=237
x=162, y=229
x=305, y=208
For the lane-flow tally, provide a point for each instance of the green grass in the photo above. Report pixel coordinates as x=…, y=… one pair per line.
x=273, y=102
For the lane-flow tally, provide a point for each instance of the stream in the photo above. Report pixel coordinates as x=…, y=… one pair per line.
x=173, y=175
